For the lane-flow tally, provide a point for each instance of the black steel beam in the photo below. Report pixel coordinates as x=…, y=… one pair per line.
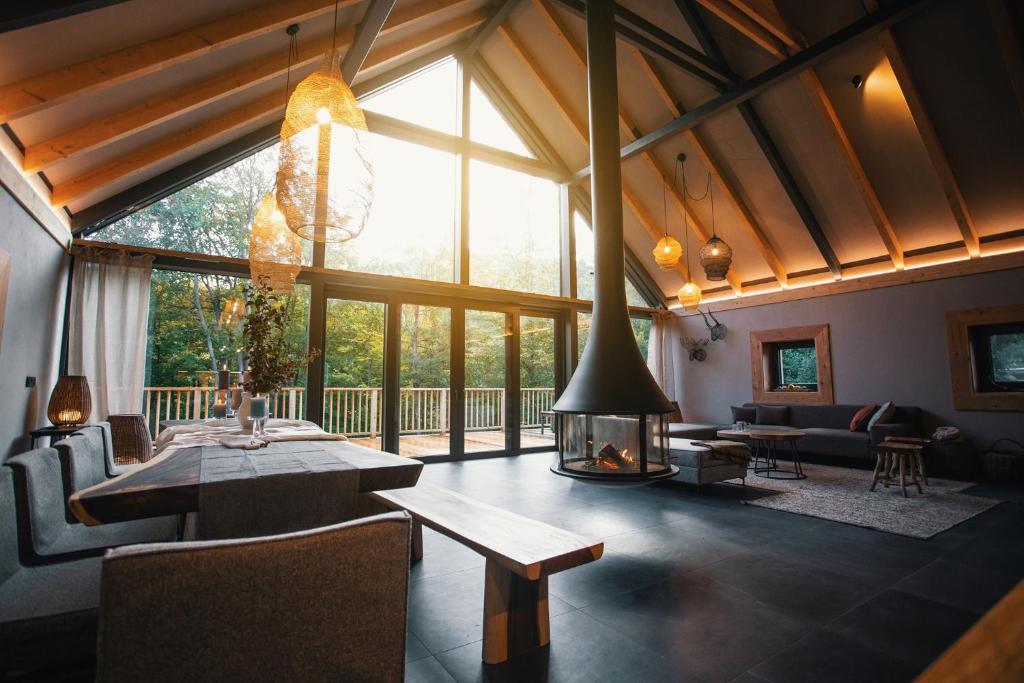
x=366, y=34
x=682, y=55
x=745, y=90
x=500, y=11
x=18, y=15
x=692, y=16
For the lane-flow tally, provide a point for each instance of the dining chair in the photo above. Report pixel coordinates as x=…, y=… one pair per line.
x=323, y=604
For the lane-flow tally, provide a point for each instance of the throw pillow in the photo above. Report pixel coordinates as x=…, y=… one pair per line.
x=772, y=415
x=860, y=419
x=883, y=415
x=744, y=414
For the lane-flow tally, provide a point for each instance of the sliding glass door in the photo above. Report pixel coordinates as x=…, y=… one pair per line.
x=426, y=377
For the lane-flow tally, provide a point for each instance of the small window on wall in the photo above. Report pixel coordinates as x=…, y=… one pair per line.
x=792, y=365
x=986, y=357
x=998, y=352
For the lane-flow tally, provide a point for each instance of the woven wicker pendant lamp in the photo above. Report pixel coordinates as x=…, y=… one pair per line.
x=668, y=250
x=324, y=178
x=716, y=255
x=275, y=252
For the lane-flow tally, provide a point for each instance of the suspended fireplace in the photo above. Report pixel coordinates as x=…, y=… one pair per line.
x=612, y=418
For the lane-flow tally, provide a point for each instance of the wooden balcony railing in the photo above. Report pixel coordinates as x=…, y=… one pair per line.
x=358, y=411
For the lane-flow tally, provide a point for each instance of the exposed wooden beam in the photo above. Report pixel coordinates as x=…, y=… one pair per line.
x=628, y=129
x=120, y=124
x=153, y=189
x=365, y=35
x=747, y=219
x=939, y=271
x=750, y=88
x=499, y=13
x=929, y=136
x=734, y=17
x=767, y=15
x=235, y=119
x=1008, y=23
x=830, y=118
x=45, y=90
x=692, y=16
x=883, y=225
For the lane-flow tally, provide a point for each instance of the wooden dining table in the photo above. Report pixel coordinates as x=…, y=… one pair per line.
x=170, y=483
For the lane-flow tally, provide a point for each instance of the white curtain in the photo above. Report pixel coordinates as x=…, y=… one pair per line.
x=659, y=354
x=107, y=334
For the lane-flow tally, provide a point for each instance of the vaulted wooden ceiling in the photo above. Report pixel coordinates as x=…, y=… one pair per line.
x=814, y=179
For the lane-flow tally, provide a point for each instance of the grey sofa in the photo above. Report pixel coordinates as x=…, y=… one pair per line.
x=828, y=434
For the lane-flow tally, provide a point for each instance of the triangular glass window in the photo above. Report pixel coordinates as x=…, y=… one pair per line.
x=427, y=98
x=487, y=126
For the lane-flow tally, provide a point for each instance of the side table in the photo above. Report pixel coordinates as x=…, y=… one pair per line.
x=53, y=431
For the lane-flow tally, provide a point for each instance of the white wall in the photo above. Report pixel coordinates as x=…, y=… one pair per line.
x=887, y=344
x=32, y=324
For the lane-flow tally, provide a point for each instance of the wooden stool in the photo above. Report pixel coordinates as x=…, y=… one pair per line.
x=893, y=454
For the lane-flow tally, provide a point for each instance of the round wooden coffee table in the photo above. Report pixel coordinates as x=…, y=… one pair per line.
x=766, y=442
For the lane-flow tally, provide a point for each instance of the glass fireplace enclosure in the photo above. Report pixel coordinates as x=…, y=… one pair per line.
x=613, y=446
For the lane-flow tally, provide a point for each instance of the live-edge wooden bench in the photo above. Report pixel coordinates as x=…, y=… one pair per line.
x=521, y=553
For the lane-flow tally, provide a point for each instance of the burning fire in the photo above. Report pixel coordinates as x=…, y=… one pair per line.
x=611, y=458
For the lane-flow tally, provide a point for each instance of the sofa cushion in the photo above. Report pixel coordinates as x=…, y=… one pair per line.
x=744, y=413
x=831, y=416
x=772, y=415
x=859, y=423
x=883, y=414
x=835, y=442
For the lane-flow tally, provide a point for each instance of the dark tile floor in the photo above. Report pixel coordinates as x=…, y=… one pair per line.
x=696, y=586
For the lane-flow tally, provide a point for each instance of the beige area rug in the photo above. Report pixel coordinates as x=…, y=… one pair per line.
x=841, y=495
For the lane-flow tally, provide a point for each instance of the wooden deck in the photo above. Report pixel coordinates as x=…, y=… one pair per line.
x=476, y=442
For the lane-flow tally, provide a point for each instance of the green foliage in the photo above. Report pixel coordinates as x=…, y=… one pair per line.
x=272, y=362
x=798, y=366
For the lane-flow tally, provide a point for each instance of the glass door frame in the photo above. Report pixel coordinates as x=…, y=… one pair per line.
x=562, y=359
x=393, y=303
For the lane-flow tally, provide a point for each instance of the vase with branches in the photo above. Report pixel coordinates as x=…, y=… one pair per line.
x=271, y=363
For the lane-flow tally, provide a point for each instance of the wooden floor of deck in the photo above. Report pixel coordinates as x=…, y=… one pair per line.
x=476, y=442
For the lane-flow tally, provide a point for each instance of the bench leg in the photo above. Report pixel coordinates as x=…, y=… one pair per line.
x=417, y=542
x=878, y=466
x=515, y=614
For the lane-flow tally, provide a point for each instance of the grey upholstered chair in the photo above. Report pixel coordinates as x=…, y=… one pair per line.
x=82, y=462
x=45, y=535
x=47, y=613
x=317, y=605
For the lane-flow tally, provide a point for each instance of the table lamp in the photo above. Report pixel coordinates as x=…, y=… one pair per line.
x=70, y=402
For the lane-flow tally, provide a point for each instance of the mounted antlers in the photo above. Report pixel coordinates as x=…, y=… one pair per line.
x=718, y=330
x=696, y=348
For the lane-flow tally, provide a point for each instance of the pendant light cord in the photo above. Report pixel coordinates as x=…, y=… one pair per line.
x=293, y=56
x=686, y=226
x=664, y=196
x=334, y=31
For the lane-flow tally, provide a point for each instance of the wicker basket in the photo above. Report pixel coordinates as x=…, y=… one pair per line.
x=131, y=440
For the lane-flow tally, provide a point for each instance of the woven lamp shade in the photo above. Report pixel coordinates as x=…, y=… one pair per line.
x=71, y=401
x=689, y=295
x=131, y=440
x=275, y=252
x=715, y=258
x=667, y=252
x=324, y=179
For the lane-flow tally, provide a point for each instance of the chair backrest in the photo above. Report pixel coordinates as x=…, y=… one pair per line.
x=39, y=501
x=9, y=563
x=82, y=462
x=323, y=604
x=108, y=447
